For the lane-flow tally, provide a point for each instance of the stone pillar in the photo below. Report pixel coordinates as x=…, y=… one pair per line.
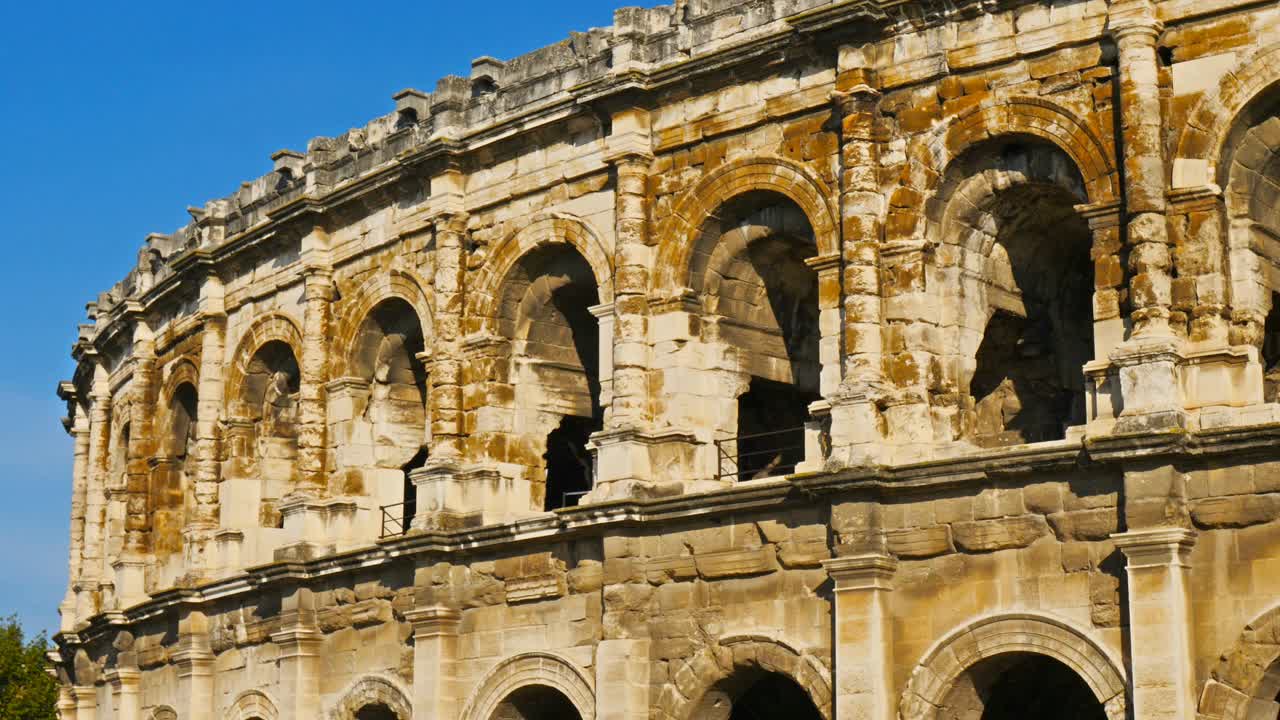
x=1162, y=667
x=863, y=629
x=86, y=702
x=79, y=429
x=299, y=658
x=441, y=498
x=194, y=660
x=631, y=459
x=1136, y=29
x=631, y=154
x=93, y=569
x=66, y=703
x=124, y=683
x=313, y=478
x=622, y=676
x=1148, y=361
x=130, y=567
x=202, y=526
x=436, y=691
x=854, y=439
x=446, y=369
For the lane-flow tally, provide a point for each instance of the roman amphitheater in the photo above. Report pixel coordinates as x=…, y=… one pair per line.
x=742, y=360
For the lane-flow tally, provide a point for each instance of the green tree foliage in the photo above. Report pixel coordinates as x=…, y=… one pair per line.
x=26, y=690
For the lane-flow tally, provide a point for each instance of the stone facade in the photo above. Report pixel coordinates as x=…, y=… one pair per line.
x=854, y=360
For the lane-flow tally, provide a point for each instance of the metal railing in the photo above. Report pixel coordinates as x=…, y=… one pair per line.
x=760, y=455
x=572, y=499
x=394, y=522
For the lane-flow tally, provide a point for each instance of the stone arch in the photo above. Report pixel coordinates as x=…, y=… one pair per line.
x=163, y=712
x=183, y=370
x=268, y=328
x=528, y=669
x=686, y=693
x=996, y=204
x=989, y=637
x=253, y=705
x=678, y=234
x=1209, y=126
x=373, y=690
x=1034, y=117
x=395, y=284
x=544, y=230
x=1246, y=681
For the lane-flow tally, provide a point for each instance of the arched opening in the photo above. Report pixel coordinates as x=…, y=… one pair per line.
x=761, y=299
x=1017, y=685
x=536, y=702
x=756, y=694
x=376, y=711
x=269, y=403
x=389, y=438
x=555, y=370
x=173, y=470
x=1253, y=208
x=1019, y=304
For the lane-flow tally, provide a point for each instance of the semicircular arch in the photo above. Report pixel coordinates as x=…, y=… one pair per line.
x=373, y=690
x=1211, y=123
x=543, y=231
x=1248, y=673
x=988, y=637
x=714, y=665
x=274, y=327
x=253, y=705
x=1032, y=117
x=678, y=233
x=529, y=669
x=395, y=285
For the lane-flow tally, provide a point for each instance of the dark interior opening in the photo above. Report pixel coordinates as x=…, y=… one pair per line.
x=536, y=702
x=410, y=489
x=774, y=697
x=771, y=418
x=376, y=712
x=569, y=463
x=1020, y=685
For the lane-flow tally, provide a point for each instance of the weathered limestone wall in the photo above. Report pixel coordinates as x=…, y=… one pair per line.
x=456, y=415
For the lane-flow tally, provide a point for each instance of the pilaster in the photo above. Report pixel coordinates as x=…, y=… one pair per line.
x=211, y=395
x=86, y=702
x=314, y=370
x=854, y=436
x=194, y=660
x=79, y=427
x=863, y=625
x=436, y=690
x=622, y=676
x=1162, y=667
x=124, y=684
x=299, y=658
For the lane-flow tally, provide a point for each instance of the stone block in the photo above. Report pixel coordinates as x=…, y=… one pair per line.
x=999, y=534
x=1236, y=511
x=922, y=542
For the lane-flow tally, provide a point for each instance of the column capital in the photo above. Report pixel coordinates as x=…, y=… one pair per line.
x=434, y=621
x=1156, y=547
x=869, y=571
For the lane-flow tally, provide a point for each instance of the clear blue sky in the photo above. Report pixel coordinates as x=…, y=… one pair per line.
x=116, y=117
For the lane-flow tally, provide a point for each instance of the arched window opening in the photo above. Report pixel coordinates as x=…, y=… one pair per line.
x=1271, y=351
x=536, y=702
x=555, y=368
x=1018, y=685
x=1025, y=294
x=1253, y=206
x=269, y=401
x=173, y=470
x=376, y=711
x=392, y=429
x=762, y=297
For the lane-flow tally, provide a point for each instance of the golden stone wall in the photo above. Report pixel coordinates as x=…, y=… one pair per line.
x=850, y=360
